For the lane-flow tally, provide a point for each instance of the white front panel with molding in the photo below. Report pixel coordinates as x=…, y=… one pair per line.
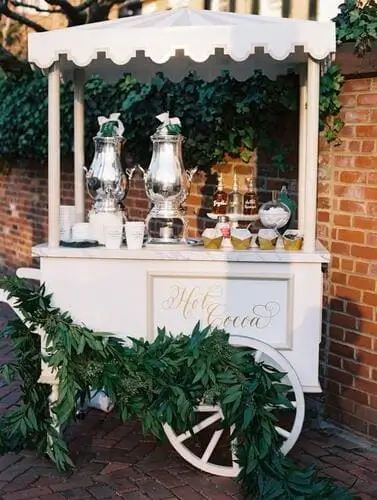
x=279, y=303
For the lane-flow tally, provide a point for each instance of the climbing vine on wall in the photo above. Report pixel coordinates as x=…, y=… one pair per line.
x=357, y=23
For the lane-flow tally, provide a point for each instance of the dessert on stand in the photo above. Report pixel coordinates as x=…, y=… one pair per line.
x=260, y=297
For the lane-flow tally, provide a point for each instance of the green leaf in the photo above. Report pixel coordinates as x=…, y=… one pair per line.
x=232, y=395
x=248, y=416
x=81, y=346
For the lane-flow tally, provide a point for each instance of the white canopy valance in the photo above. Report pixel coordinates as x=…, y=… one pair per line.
x=180, y=40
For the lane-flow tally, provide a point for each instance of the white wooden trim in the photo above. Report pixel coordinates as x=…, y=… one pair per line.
x=302, y=148
x=310, y=214
x=79, y=147
x=53, y=155
x=187, y=253
x=29, y=273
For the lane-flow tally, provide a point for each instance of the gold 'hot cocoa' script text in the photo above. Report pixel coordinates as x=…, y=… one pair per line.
x=194, y=302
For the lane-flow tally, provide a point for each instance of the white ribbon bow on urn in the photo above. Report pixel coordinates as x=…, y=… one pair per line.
x=114, y=117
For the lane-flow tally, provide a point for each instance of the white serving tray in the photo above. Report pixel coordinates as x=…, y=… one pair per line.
x=236, y=217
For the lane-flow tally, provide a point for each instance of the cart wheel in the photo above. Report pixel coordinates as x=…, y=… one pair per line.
x=210, y=457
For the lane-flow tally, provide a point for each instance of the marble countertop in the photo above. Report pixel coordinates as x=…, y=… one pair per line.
x=185, y=252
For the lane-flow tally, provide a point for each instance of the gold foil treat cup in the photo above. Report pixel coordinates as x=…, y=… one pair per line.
x=292, y=240
x=267, y=244
x=240, y=239
x=267, y=239
x=212, y=239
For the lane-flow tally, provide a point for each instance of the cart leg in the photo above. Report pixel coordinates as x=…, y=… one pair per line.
x=51, y=401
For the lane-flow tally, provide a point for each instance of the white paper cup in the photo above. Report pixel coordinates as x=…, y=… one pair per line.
x=81, y=231
x=113, y=236
x=67, y=220
x=67, y=213
x=134, y=234
x=98, y=221
x=67, y=209
x=65, y=233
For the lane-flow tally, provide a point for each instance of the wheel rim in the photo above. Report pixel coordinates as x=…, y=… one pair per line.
x=213, y=415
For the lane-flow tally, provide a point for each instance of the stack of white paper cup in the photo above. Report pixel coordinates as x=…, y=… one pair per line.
x=134, y=234
x=67, y=220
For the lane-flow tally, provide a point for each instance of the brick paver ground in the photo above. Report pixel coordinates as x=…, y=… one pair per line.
x=115, y=461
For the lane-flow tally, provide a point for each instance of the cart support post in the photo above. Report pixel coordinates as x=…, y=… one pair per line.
x=312, y=130
x=79, y=148
x=53, y=155
x=302, y=148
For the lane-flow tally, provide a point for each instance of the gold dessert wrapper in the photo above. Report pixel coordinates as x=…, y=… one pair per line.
x=239, y=244
x=212, y=243
x=295, y=244
x=266, y=244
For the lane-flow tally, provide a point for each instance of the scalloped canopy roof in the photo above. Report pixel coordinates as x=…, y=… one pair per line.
x=181, y=40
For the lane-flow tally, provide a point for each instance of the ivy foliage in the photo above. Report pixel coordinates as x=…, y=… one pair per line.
x=223, y=116
x=329, y=103
x=158, y=382
x=357, y=22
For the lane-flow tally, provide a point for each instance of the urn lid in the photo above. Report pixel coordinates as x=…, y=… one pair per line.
x=111, y=126
x=169, y=126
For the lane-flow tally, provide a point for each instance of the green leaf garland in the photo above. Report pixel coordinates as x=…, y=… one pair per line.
x=160, y=381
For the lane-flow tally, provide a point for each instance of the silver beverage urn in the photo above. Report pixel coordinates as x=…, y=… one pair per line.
x=167, y=184
x=105, y=180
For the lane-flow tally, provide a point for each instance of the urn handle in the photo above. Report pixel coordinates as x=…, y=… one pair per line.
x=90, y=183
x=130, y=171
x=190, y=173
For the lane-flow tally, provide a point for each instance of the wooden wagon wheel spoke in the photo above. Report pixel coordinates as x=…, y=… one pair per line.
x=212, y=445
x=205, y=459
x=282, y=432
x=199, y=427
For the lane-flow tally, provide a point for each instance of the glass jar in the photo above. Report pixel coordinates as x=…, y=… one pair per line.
x=274, y=214
x=235, y=199
x=220, y=198
x=223, y=226
x=250, y=199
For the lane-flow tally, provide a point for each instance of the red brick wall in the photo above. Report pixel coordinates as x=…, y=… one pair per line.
x=23, y=212
x=347, y=223
x=23, y=209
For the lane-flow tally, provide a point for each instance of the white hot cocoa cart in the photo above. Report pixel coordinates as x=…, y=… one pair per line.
x=268, y=300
